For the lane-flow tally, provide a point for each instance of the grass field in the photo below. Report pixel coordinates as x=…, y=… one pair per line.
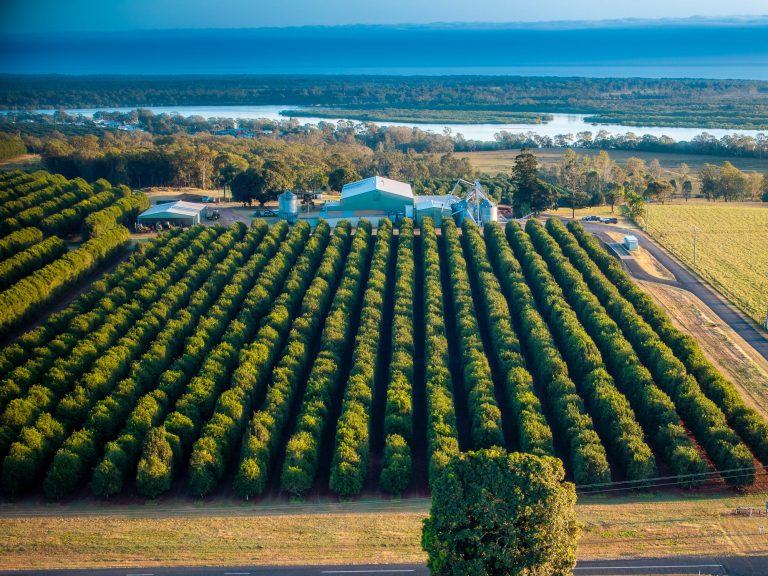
x=24, y=162
x=731, y=252
x=502, y=160
x=357, y=532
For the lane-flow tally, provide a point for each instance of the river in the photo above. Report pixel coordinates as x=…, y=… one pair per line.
x=560, y=124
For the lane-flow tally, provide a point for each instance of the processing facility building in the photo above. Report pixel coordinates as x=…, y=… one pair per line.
x=376, y=197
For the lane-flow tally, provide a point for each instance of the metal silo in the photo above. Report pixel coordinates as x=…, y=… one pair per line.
x=460, y=211
x=288, y=206
x=489, y=212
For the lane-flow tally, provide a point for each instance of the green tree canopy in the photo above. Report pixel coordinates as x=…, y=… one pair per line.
x=227, y=166
x=659, y=190
x=687, y=189
x=495, y=513
x=525, y=175
x=263, y=184
x=244, y=185
x=311, y=177
x=614, y=194
x=340, y=176
x=275, y=177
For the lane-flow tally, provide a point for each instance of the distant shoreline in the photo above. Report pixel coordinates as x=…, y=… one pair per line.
x=510, y=103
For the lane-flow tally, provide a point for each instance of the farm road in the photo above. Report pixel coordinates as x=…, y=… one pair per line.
x=684, y=279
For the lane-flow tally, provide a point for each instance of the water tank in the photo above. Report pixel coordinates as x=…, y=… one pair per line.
x=460, y=211
x=288, y=206
x=489, y=212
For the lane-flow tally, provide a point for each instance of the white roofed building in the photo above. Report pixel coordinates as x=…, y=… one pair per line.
x=178, y=213
x=373, y=196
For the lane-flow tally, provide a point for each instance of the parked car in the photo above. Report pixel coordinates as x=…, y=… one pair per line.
x=209, y=200
x=590, y=218
x=213, y=215
x=610, y=220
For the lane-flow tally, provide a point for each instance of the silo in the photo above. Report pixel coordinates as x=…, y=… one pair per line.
x=489, y=212
x=460, y=211
x=288, y=206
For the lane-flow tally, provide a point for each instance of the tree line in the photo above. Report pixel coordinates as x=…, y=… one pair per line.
x=396, y=470
x=265, y=428
x=51, y=269
x=63, y=411
x=215, y=445
x=203, y=283
x=325, y=383
x=349, y=465
x=646, y=101
x=745, y=420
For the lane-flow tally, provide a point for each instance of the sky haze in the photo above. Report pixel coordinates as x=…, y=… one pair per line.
x=98, y=15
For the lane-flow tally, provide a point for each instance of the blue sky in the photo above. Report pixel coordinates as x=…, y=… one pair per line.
x=80, y=15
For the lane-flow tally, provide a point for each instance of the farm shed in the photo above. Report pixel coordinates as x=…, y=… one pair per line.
x=177, y=213
x=373, y=196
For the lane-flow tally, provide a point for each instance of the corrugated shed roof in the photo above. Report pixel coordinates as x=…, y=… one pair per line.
x=179, y=208
x=376, y=183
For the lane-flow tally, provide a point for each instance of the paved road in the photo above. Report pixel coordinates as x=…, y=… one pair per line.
x=715, y=566
x=687, y=280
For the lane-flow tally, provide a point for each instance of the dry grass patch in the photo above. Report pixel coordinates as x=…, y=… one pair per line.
x=33, y=536
x=496, y=161
x=747, y=369
x=662, y=525
x=48, y=542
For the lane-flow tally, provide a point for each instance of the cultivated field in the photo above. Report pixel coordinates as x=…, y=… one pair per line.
x=495, y=162
x=259, y=361
x=731, y=252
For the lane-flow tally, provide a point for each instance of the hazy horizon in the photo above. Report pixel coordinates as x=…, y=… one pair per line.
x=96, y=15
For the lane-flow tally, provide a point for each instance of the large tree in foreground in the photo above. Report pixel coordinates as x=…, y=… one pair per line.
x=497, y=514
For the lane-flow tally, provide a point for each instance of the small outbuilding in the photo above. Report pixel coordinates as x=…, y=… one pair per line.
x=178, y=213
x=630, y=242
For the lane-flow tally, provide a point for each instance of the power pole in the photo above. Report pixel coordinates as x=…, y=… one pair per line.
x=646, y=214
x=766, y=327
x=695, y=234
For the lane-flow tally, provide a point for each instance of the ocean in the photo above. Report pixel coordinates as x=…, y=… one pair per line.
x=684, y=50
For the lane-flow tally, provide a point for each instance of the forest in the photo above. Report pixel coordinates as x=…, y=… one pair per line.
x=329, y=155
x=27, y=126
